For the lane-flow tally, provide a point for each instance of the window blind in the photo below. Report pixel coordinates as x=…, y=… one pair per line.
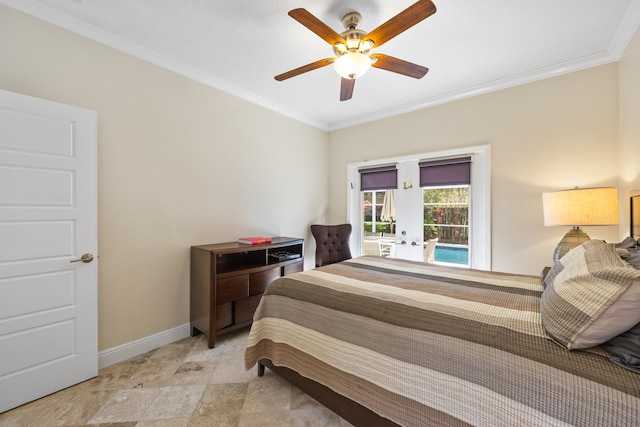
x=445, y=172
x=379, y=178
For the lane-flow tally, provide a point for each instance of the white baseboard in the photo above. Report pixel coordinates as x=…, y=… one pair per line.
x=125, y=351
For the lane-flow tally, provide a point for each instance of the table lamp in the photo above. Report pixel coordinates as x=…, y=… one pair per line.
x=578, y=207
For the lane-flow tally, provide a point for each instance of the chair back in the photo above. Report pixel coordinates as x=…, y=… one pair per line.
x=430, y=250
x=332, y=243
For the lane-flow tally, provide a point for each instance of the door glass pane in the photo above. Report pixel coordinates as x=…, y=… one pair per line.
x=378, y=223
x=446, y=218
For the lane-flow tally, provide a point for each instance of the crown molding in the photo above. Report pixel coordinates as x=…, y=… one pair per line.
x=628, y=27
x=482, y=88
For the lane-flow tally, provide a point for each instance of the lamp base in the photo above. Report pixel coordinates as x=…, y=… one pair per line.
x=575, y=237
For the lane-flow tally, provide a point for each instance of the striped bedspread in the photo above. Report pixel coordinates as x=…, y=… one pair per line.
x=426, y=345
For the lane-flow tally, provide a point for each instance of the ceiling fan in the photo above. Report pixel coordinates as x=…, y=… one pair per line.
x=353, y=47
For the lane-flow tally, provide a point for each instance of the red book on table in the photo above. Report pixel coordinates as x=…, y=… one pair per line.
x=254, y=240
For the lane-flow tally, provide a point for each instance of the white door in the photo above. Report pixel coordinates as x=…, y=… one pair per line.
x=48, y=220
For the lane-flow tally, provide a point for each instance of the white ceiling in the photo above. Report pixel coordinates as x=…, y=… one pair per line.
x=470, y=46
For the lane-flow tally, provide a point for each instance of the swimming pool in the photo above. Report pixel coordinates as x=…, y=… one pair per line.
x=451, y=254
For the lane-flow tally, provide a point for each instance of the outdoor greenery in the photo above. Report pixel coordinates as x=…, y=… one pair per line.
x=367, y=204
x=446, y=214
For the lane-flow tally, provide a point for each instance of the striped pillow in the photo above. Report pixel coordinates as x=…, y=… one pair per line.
x=591, y=296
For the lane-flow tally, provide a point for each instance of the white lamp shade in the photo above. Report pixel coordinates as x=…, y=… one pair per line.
x=352, y=65
x=581, y=206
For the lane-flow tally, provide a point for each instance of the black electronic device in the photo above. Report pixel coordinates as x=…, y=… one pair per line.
x=284, y=255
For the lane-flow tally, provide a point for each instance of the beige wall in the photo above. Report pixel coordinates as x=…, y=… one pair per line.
x=553, y=134
x=180, y=164
x=629, y=124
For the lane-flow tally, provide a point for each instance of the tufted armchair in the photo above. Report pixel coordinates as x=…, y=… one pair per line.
x=332, y=243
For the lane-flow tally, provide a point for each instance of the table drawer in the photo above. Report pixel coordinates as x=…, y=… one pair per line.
x=232, y=288
x=224, y=315
x=293, y=268
x=259, y=281
x=246, y=307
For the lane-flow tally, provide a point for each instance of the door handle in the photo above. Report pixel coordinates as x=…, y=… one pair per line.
x=414, y=244
x=83, y=258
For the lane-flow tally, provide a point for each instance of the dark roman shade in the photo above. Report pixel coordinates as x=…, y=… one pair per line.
x=379, y=178
x=445, y=172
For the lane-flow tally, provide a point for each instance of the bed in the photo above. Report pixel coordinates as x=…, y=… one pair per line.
x=384, y=341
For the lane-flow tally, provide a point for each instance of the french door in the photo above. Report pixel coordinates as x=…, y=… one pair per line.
x=405, y=234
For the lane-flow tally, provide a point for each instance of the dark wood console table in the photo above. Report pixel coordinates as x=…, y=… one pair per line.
x=228, y=279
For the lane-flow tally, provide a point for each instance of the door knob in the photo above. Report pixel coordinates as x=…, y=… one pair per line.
x=414, y=244
x=84, y=258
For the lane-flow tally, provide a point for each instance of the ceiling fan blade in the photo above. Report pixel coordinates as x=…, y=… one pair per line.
x=317, y=26
x=389, y=63
x=402, y=22
x=305, y=68
x=346, y=89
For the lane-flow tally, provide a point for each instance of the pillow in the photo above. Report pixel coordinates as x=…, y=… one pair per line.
x=627, y=243
x=625, y=349
x=634, y=260
x=591, y=296
x=630, y=256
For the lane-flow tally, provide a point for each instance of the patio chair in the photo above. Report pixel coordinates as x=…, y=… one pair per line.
x=430, y=250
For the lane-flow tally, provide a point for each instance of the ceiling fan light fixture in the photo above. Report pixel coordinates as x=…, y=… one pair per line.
x=340, y=48
x=366, y=45
x=353, y=42
x=352, y=65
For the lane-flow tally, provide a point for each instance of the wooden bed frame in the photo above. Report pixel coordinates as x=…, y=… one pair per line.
x=351, y=411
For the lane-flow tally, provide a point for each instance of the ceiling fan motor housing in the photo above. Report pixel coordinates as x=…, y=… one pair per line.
x=352, y=36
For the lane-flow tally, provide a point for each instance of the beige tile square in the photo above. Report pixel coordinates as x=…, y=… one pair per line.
x=278, y=418
x=217, y=420
x=69, y=406
x=171, y=422
x=193, y=373
x=75, y=406
x=154, y=374
x=316, y=417
x=114, y=377
x=174, y=402
x=268, y=393
x=228, y=346
x=175, y=352
x=141, y=358
x=232, y=371
x=125, y=405
x=222, y=399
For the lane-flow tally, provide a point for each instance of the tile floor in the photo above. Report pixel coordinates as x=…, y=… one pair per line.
x=183, y=384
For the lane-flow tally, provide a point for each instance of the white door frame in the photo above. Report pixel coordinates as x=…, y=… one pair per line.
x=480, y=198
